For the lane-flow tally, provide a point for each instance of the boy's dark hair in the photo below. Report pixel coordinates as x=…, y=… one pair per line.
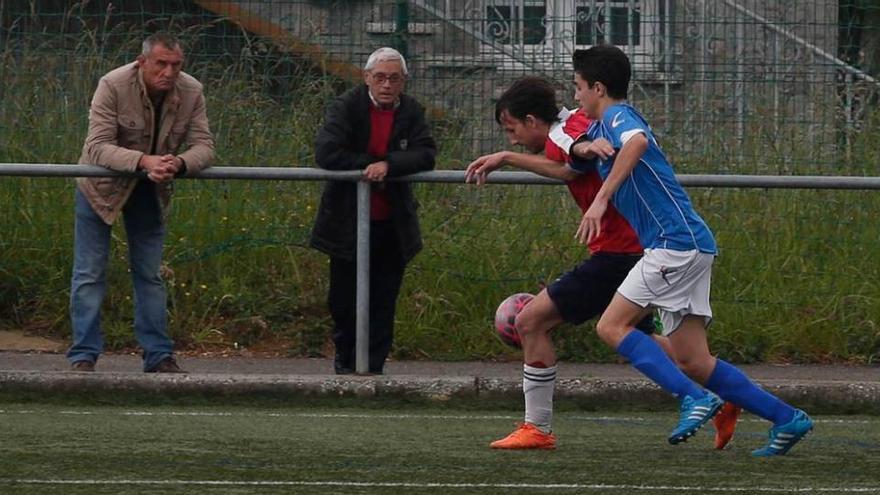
x=606, y=64
x=529, y=96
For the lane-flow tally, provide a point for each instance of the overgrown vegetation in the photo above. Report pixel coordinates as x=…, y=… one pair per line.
x=796, y=279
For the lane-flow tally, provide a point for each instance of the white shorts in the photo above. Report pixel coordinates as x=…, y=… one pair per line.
x=677, y=283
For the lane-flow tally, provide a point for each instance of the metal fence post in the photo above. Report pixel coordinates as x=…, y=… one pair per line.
x=362, y=258
x=401, y=27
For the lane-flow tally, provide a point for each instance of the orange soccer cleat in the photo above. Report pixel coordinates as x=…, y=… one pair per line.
x=526, y=436
x=725, y=424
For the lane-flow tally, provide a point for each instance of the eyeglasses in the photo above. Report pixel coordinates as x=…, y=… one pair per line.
x=383, y=78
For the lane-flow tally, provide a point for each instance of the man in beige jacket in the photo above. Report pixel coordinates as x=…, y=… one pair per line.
x=141, y=116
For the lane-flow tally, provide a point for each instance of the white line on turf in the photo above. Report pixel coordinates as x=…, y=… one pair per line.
x=534, y=486
x=634, y=419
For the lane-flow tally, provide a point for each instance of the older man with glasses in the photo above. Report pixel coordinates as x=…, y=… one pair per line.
x=377, y=129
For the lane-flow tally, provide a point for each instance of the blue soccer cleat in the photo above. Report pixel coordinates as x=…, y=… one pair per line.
x=694, y=414
x=782, y=438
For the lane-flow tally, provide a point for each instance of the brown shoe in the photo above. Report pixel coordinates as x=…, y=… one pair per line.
x=83, y=366
x=167, y=365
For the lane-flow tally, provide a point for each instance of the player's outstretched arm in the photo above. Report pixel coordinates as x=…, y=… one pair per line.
x=623, y=166
x=542, y=165
x=479, y=169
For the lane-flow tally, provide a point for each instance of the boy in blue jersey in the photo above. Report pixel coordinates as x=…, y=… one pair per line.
x=529, y=114
x=675, y=272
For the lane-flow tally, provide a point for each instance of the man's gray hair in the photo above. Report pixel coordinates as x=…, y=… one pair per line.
x=386, y=54
x=167, y=40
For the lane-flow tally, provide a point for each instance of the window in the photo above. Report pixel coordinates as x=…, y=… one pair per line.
x=546, y=32
x=518, y=22
x=596, y=22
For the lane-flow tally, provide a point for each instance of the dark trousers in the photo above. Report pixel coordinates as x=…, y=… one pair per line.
x=386, y=274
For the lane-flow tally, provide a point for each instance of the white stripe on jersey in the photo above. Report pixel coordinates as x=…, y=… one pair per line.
x=636, y=189
x=558, y=134
x=629, y=135
x=626, y=136
x=672, y=200
x=651, y=212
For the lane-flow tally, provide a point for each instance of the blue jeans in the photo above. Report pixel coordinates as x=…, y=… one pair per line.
x=91, y=248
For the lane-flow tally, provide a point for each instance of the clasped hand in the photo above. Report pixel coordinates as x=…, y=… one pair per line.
x=160, y=168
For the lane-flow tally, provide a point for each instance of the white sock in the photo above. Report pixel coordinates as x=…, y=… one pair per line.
x=538, y=385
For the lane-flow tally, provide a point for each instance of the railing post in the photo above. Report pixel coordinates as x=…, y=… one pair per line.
x=401, y=27
x=362, y=259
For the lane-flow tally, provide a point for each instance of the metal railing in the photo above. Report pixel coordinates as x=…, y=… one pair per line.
x=438, y=176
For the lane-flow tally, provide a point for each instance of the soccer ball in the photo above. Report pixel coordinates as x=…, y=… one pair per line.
x=505, y=318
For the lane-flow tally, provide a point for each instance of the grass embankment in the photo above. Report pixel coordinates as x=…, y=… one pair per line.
x=797, y=278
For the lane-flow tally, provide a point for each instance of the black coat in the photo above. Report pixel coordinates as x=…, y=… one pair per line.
x=341, y=144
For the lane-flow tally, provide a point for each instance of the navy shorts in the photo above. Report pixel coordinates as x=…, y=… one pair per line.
x=583, y=293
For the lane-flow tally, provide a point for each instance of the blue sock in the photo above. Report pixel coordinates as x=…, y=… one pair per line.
x=733, y=385
x=647, y=357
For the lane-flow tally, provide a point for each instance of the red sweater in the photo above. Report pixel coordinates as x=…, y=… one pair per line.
x=380, y=133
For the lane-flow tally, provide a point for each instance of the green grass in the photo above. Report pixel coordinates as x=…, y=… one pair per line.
x=795, y=281
x=239, y=270
x=421, y=446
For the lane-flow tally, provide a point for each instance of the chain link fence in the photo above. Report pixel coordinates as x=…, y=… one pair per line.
x=731, y=86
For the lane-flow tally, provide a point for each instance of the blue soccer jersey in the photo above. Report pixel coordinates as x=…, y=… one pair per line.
x=651, y=199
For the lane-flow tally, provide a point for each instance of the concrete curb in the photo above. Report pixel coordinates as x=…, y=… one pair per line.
x=838, y=397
